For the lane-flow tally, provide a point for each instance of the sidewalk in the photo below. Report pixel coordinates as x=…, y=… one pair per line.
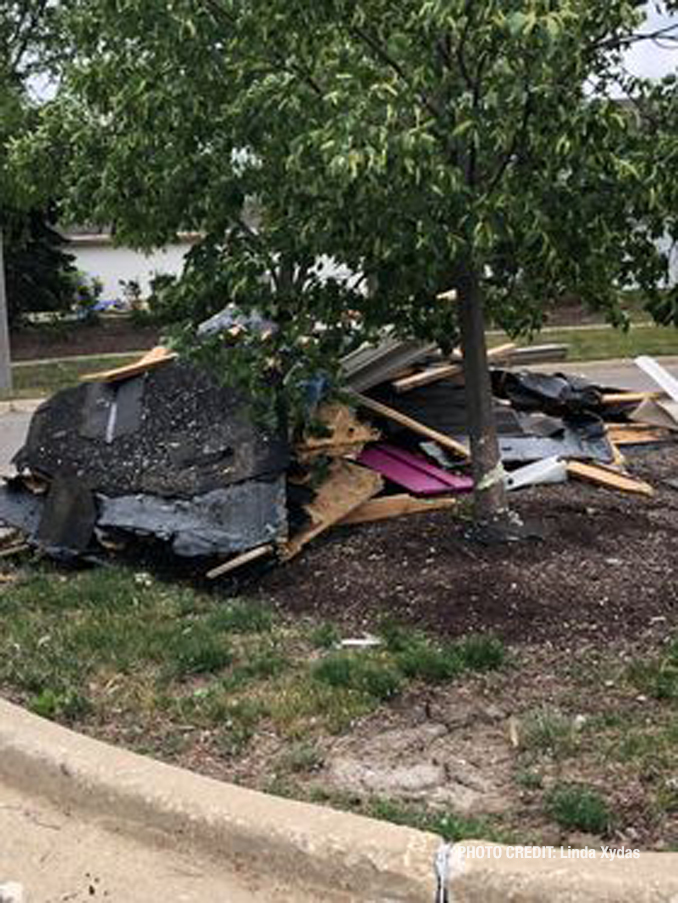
x=56, y=856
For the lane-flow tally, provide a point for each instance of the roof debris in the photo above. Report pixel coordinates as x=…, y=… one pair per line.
x=160, y=452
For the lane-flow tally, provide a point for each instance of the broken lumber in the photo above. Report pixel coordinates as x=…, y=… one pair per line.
x=154, y=358
x=345, y=434
x=608, y=478
x=388, y=506
x=433, y=374
x=637, y=433
x=347, y=487
x=240, y=560
x=14, y=549
x=612, y=398
x=391, y=414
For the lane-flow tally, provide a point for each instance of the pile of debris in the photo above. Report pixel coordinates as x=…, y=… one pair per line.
x=160, y=451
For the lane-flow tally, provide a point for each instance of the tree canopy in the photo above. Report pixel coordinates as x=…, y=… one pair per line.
x=39, y=275
x=423, y=145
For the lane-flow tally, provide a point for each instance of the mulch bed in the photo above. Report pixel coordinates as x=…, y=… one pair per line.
x=106, y=337
x=605, y=568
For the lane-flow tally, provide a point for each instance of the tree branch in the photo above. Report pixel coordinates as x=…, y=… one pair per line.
x=385, y=57
x=515, y=141
x=668, y=32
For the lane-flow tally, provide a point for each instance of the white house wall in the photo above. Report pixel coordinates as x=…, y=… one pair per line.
x=113, y=264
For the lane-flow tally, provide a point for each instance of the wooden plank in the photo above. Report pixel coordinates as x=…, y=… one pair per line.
x=434, y=374
x=156, y=357
x=240, y=560
x=628, y=434
x=388, y=506
x=391, y=414
x=347, y=487
x=608, y=477
x=14, y=549
x=629, y=397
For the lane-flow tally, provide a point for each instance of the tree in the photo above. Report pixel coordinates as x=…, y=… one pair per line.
x=424, y=144
x=39, y=275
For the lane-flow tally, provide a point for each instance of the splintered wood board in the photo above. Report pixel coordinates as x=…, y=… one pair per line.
x=391, y=414
x=154, y=358
x=607, y=477
x=637, y=433
x=434, y=374
x=345, y=432
x=347, y=487
x=629, y=397
x=389, y=506
x=240, y=560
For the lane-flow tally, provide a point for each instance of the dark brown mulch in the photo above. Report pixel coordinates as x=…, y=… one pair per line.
x=605, y=568
x=106, y=337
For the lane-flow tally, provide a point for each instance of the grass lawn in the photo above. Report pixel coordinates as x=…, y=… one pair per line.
x=605, y=342
x=35, y=380
x=232, y=688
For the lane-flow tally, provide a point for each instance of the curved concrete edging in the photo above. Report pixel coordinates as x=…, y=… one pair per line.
x=334, y=855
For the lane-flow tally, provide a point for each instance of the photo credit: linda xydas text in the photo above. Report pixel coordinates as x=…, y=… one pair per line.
x=492, y=851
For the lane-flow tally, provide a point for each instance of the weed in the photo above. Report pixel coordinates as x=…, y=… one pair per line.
x=301, y=757
x=262, y=665
x=241, y=617
x=578, y=807
x=658, y=676
x=549, y=731
x=372, y=677
x=481, y=652
x=432, y=664
x=530, y=780
x=63, y=705
x=239, y=725
x=324, y=636
x=197, y=651
x=303, y=704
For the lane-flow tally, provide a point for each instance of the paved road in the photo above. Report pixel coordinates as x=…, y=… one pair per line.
x=56, y=857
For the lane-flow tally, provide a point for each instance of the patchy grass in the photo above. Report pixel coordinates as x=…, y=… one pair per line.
x=372, y=676
x=230, y=688
x=657, y=676
x=578, y=807
x=548, y=731
x=418, y=658
x=35, y=380
x=73, y=645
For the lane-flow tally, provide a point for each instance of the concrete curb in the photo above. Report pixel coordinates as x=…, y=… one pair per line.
x=560, y=877
x=334, y=856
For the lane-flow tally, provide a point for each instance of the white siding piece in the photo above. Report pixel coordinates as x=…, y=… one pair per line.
x=659, y=374
x=549, y=470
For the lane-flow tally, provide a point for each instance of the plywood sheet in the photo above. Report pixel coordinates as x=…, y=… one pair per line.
x=347, y=487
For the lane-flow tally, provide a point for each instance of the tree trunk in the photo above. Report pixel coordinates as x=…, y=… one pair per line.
x=5, y=361
x=488, y=475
